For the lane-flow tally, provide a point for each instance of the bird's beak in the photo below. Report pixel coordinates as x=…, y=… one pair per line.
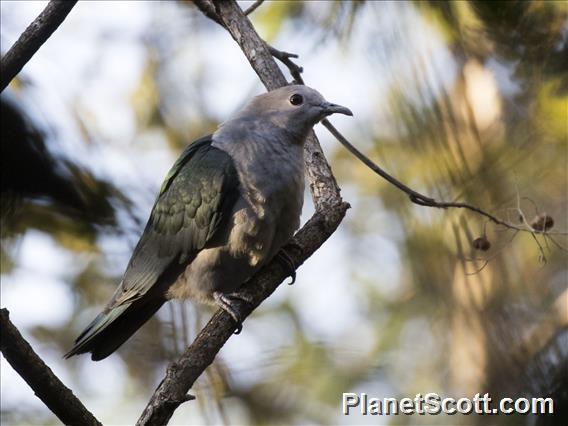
x=328, y=108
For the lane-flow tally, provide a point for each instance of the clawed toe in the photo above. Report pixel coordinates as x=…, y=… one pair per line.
x=286, y=261
x=225, y=302
x=293, y=276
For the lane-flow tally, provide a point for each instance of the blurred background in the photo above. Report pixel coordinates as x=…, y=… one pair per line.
x=460, y=100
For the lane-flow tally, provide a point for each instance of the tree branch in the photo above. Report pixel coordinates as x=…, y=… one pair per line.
x=206, y=7
x=34, y=36
x=284, y=57
x=423, y=200
x=253, y=7
x=330, y=210
x=47, y=387
x=182, y=374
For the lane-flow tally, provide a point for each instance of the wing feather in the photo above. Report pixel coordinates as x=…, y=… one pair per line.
x=195, y=199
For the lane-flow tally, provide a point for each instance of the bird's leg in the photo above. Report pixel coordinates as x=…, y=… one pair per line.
x=286, y=261
x=226, y=301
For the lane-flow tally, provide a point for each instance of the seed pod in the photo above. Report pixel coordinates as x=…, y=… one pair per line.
x=542, y=222
x=481, y=243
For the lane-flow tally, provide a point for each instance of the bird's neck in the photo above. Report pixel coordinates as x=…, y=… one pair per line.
x=268, y=158
x=259, y=140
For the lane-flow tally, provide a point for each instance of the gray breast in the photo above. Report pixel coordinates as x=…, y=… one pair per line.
x=263, y=219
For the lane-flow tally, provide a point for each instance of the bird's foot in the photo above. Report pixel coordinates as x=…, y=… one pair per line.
x=286, y=261
x=226, y=302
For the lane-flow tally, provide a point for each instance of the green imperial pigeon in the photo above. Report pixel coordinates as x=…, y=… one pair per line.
x=227, y=206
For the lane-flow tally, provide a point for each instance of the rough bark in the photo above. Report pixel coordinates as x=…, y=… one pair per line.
x=32, y=39
x=330, y=210
x=47, y=387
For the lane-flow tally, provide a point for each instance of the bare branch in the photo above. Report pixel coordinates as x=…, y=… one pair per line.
x=478, y=270
x=47, y=387
x=414, y=196
x=284, y=57
x=182, y=374
x=423, y=200
x=32, y=39
x=253, y=7
x=206, y=7
x=330, y=210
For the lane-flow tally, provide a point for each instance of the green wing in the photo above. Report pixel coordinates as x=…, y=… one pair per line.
x=196, y=196
x=194, y=201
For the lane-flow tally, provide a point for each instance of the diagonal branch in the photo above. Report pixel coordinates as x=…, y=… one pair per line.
x=253, y=7
x=32, y=39
x=47, y=387
x=423, y=200
x=330, y=210
x=206, y=7
x=182, y=374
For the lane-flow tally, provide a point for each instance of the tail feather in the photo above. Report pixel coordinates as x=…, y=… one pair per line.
x=109, y=330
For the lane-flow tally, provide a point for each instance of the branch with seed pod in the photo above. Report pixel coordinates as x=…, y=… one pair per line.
x=539, y=225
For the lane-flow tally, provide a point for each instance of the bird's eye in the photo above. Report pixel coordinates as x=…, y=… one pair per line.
x=296, y=99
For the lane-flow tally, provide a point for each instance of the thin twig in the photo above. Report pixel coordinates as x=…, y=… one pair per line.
x=556, y=243
x=207, y=7
x=536, y=213
x=253, y=7
x=514, y=235
x=423, y=200
x=47, y=387
x=541, y=257
x=284, y=57
x=414, y=196
x=34, y=36
x=477, y=271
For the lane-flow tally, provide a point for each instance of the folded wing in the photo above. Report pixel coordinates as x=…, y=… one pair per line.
x=194, y=202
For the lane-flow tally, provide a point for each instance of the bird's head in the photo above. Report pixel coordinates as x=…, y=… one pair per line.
x=296, y=108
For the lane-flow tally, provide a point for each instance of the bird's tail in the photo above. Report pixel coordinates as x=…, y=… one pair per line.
x=112, y=328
